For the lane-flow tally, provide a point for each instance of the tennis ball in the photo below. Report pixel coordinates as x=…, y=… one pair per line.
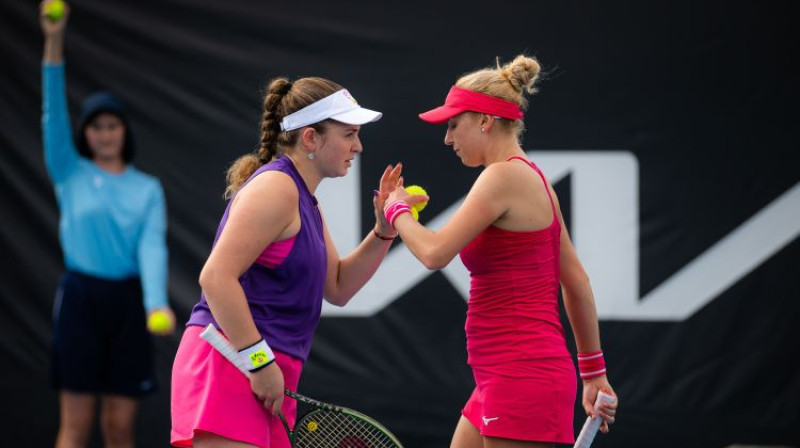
x=158, y=322
x=415, y=190
x=55, y=10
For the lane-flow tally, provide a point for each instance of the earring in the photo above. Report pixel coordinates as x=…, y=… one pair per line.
x=483, y=130
x=311, y=156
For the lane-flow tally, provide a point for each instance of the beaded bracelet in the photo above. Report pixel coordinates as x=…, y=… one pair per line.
x=385, y=238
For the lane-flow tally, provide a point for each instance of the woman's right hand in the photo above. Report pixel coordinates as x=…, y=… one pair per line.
x=400, y=194
x=50, y=27
x=607, y=411
x=268, y=385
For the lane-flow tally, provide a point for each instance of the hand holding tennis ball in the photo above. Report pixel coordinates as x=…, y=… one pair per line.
x=416, y=190
x=54, y=10
x=161, y=322
x=53, y=16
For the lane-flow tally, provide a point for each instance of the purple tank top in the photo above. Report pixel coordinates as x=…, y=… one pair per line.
x=286, y=301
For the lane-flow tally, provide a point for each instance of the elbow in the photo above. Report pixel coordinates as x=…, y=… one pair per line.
x=434, y=261
x=433, y=265
x=204, y=277
x=579, y=281
x=338, y=300
x=208, y=278
x=573, y=275
x=338, y=295
x=577, y=286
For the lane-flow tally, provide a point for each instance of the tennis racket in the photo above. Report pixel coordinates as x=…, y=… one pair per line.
x=323, y=425
x=589, y=430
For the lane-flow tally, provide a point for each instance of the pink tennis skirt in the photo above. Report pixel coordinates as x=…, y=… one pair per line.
x=210, y=395
x=532, y=401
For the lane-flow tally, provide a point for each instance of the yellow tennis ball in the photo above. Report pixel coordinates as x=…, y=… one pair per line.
x=158, y=322
x=55, y=10
x=415, y=213
x=415, y=190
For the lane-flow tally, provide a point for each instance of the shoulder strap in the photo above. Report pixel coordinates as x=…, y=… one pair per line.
x=539, y=172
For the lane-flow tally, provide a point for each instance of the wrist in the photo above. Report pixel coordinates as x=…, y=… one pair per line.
x=382, y=236
x=55, y=38
x=395, y=209
x=54, y=49
x=591, y=365
x=257, y=356
x=596, y=381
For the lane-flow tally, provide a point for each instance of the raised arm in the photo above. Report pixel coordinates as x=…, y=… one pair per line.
x=484, y=204
x=60, y=154
x=346, y=276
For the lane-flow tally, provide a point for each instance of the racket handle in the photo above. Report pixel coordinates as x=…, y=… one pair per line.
x=591, y=426
x=211, y=335
x=224, y=347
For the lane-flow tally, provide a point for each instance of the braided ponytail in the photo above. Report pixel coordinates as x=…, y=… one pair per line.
x=271, y=119
x=246, y=165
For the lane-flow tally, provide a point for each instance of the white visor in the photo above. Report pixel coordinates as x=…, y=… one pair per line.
x=340, y=106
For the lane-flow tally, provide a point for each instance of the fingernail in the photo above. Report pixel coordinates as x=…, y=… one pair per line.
x=375, y=192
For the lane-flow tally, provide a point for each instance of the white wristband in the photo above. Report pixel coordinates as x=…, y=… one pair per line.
x=257, y=356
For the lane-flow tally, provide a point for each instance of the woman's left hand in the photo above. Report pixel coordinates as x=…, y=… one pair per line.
x=607, y=411
x=390, y=181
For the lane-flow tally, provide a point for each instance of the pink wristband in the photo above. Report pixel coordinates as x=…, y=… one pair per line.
x=395, y=209
x=591, y=365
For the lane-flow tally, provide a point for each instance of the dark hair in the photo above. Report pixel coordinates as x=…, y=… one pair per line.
x=283, y=97
x=94, y=105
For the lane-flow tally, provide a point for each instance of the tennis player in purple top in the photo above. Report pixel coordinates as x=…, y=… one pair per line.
x=272, y=263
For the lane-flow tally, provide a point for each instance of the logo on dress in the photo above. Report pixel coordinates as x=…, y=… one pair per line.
x=487, y=420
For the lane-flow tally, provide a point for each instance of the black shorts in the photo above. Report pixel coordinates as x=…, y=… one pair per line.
x=100, y=340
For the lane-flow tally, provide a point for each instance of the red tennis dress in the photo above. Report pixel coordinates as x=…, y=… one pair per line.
x=524, y=375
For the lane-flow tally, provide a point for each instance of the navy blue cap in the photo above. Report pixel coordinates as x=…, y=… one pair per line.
x=95, y=104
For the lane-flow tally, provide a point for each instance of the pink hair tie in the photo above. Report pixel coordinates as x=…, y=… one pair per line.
x=395, y=209
x=591, y=365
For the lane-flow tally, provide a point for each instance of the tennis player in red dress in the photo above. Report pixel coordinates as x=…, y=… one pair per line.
x=511, y=237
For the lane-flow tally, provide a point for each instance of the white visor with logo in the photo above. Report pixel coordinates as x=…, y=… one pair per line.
x=340, y=106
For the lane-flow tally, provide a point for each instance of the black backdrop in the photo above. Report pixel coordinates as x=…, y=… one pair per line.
x=702, y=94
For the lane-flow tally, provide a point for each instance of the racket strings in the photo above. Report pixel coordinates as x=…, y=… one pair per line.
x=339, y=430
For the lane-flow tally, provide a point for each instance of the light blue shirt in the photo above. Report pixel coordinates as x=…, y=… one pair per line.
x=112, y=226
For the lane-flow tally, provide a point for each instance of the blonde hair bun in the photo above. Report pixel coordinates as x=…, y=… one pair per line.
x=522, y=73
